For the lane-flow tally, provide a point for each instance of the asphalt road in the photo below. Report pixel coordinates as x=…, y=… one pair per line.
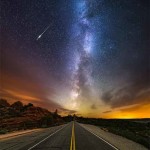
x=68, y=137
x=87, y=141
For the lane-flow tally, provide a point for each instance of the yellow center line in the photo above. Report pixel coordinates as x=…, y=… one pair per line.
x=73, y=137
x=72, y=144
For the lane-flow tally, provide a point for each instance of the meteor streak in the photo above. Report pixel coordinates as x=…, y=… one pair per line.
x=43, y=32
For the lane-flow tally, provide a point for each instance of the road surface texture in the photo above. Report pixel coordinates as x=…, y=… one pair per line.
x=87, y=141
x=71, y=136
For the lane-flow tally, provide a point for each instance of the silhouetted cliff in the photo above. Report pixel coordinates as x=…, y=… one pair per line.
x=18, y=116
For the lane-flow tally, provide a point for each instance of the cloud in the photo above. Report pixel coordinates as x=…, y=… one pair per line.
x=65, y=111
x=105, y=112
x=93, y=106
x=12, y=96
x=129, y=95
x=133, y=111
x=107, y=96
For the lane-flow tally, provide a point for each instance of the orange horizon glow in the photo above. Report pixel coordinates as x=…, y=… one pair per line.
x=129, y=112
x=139, y=111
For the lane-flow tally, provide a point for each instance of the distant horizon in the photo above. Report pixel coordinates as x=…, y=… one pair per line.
x=62, y=115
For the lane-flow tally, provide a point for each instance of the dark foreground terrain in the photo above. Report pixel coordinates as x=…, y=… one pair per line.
x=18, y=116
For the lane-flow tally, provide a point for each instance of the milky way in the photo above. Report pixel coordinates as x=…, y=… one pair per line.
x=82, y=79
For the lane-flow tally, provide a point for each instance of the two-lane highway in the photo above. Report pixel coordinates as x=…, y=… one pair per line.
x=69, y=137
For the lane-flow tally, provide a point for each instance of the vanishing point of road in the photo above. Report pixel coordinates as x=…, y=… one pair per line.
x=71, y=136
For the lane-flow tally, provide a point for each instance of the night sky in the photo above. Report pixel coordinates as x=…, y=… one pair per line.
x=88, y=57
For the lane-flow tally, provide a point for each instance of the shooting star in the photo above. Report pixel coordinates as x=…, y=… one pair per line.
x=43, y=32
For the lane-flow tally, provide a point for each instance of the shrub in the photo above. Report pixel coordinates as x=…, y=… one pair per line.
x=3, y=131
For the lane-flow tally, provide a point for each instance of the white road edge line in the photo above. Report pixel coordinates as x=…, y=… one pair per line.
x=46, y=138
x=101, y=138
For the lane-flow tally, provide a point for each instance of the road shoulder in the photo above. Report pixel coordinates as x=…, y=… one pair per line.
x=18, y=133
